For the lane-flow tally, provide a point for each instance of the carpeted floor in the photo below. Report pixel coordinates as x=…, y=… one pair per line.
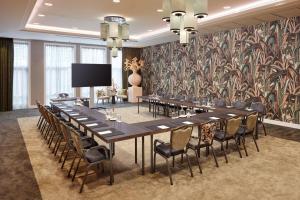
x=273, y=173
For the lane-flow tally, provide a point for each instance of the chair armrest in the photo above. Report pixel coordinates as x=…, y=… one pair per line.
x=158, y=141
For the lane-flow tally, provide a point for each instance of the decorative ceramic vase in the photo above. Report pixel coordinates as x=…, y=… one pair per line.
x=135, y=79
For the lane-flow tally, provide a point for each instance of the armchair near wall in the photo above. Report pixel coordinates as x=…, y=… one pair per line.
x=102, y=96
x=122, y=94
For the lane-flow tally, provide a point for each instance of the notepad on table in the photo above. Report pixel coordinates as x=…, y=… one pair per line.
x=162, y=127
x=82, y=119
x=91, y=125
x=232, y=115
x=105, y=132
x=187, y=122
x=249, y=109
x=74, y=114
x=214, y=118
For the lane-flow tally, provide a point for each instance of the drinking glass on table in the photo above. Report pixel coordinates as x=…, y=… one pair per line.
x=181, y=112
x=119, y=118
x=174, y=115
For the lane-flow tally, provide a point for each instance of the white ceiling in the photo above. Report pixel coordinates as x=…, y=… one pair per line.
x=78, y=20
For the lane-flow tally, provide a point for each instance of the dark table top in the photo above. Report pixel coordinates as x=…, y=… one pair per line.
x=124, y=131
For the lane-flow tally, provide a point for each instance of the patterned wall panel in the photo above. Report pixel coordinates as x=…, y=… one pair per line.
x=261, y=61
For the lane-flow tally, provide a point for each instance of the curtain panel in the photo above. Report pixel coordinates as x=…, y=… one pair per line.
x=6, y=73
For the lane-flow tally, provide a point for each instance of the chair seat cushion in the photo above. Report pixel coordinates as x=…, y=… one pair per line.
x=219, y=135
x=95, y=155
x=166, y=150
x=88, y=143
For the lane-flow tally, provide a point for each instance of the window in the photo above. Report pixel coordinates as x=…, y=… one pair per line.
x=91, y=55
x=58, y=62
x=117, y=70
x=21, y=75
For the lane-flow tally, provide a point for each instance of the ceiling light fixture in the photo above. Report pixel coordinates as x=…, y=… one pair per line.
x=48, y=4
x=116, y=1
x=182, y=15
x=226, y=7
x=41, y=15
x=114, y=30
x=159, y=10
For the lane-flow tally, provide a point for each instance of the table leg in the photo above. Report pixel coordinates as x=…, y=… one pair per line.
x=111, y=180
x=151, y=153
x=143, y=155
x=138, y=105
x=135, y=149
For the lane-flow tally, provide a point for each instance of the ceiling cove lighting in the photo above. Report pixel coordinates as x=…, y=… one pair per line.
x=182, y=15
x=48, y=4
x=116, y=1
x=114, y=30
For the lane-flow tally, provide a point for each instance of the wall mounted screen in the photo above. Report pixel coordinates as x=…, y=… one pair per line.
x=91, y=75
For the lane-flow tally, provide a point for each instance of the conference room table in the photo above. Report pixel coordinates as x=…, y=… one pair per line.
x=111, y=132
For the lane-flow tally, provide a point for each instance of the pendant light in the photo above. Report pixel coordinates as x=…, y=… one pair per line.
x=125, y=31
x=200, y=8
x=175, y=23
x=178, y=7
x=166, y=6
x=104, y=31
x=114, y=52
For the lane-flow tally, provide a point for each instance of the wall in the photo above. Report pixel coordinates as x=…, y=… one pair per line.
x=261, y=61
x=37, y=77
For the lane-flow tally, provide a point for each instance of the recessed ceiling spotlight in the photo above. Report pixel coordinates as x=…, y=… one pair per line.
x=116, y=1
x=48, y=4
x=226, y=7
x=41, y=15
x=160, y=10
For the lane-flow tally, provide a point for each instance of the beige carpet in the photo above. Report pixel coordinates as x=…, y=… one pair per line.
x=273, y=173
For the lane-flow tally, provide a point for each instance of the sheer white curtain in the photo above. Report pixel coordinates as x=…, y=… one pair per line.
x=92, y=55
x=58, y=62
x=21, y=74
x=117, y=70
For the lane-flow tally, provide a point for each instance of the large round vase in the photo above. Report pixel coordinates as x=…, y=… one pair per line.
x=135, y=79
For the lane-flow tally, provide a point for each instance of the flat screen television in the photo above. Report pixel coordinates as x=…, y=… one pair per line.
x=91, y=75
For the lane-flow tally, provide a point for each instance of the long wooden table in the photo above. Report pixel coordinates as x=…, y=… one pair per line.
x=122, y=131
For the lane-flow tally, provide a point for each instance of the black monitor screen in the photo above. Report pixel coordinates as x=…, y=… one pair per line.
x=90, y=75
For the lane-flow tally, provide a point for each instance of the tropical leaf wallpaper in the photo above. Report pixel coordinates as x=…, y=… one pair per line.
x=261, y=61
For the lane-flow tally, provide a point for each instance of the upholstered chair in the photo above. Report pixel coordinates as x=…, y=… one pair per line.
x=261, y=109
x=177, y=146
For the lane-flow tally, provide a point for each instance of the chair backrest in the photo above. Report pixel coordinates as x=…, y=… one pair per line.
x=232, y=126
x=207, y=132
x=259, y=107
x=220, y=102
x=239, y=104
x=65, y=130
x=180, y=137
x=77, y=142
x=252, y=121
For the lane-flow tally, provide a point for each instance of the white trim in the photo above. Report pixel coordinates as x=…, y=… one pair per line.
x=281, y=123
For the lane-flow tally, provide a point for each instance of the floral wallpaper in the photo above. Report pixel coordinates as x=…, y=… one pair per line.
x=260, y=61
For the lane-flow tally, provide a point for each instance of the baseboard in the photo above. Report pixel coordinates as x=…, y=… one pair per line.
x=281, y=123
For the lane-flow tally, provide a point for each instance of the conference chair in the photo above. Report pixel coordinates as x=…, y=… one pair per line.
x=249, y=128
x=261, y=109
x=177, y=146
x=204, y=140
x=230, y=131
x=91, y=157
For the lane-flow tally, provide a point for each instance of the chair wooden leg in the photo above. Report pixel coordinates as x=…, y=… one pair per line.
x=238, y=148
x=198, y=160
x=62, y=153
x=154, y=162
x=213, y=152
x=169, y=171
x=66, y=156
x=254, y=139
x=76, y=170
x=264, y=128
x=227, y=144
x=71, y=167
x=224, y=152
x=244, y=145
x=84, y=179
x=181, y=158
x=173, y=161
x=58, y=145
x=189, y=163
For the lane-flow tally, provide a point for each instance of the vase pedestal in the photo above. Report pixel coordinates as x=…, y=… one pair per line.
x=133, y=92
